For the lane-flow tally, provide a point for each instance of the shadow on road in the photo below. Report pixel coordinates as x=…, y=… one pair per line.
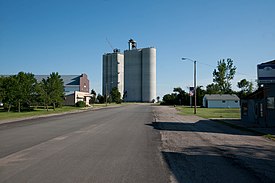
x=223, y=163
x=218, y=164
x=200, y=126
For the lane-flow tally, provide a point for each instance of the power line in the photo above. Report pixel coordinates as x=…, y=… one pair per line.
x=214, y=67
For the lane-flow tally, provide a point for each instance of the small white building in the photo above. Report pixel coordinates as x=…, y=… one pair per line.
x=221, y=101
x=76, y=96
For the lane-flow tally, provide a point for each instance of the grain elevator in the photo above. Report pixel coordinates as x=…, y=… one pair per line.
x=113, y=72
x=139, y=73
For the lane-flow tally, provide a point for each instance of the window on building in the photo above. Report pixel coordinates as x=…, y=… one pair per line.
x=223, y=101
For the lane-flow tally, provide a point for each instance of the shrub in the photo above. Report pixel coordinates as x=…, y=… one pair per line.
x=119, y=101
x=80, y=104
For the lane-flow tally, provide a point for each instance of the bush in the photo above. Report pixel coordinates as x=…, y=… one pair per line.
x=119, y=101
x=80, y=104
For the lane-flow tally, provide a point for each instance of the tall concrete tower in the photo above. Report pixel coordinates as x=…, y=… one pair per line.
x=113, y=72
x=139, y=74
x=148, y=77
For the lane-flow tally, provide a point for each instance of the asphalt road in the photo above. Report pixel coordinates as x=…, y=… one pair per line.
x=109, y=145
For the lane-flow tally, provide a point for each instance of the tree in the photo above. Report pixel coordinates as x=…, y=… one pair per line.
x=51, y=90
x=24, y=89
x=115, y=95
x=224, y=74
x=56, y=89
x=18, y=90
x=2, y=90
x=93, y=92
x=200, y=94
x=100, y=99
x=93, y=98
x=212, y=88
x=8, y=90
x=182, y=97
x=246, y=88
x=43, y=91
x=158, y=98
x=169, y=99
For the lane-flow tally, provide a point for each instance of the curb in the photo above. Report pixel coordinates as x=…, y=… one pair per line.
x=5, y=122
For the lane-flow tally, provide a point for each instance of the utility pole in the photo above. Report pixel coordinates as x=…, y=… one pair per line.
x=195, y=82
x=195, y=86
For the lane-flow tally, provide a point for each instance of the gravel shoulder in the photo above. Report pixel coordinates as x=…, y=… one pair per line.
x=200, y=150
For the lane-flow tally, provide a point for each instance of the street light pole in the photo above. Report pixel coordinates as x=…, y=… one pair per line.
x=195, y=86
x=195, y=82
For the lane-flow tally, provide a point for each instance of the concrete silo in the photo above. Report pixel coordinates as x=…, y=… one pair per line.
x=148, y=74
x=113, y=72
x=140, y=73
x=132, y=75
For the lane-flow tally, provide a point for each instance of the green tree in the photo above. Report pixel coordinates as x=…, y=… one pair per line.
x=169, y=99
x=18, y=90
x=200, y=94
x=115, y=95
x=51, y=90
x=24, y=89
x=213, y=89
x=158, y=98
x=93, y=98
x=224, y=74
x=246, y=88
x=182, y=97
x=100, y=99
x=8, y=91
x=43, y=91
x=56, y=87
x=2, y=90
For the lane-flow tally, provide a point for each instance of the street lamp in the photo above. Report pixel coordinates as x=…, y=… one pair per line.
x=195, y=82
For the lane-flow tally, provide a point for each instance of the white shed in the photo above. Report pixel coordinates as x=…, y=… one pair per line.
x=221, y=101
x=76, y=96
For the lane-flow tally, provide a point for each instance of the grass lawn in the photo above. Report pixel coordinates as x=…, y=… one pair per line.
x=36, y=112
x=39, y=111
x=211, y=112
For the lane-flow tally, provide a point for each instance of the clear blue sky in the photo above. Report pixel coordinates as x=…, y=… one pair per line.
x=69, y=36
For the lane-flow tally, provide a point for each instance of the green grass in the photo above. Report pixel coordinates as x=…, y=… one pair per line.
x=269, y=136
x=41, y=111
x=36, y=112
x=211, y=112
x=222, y=113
